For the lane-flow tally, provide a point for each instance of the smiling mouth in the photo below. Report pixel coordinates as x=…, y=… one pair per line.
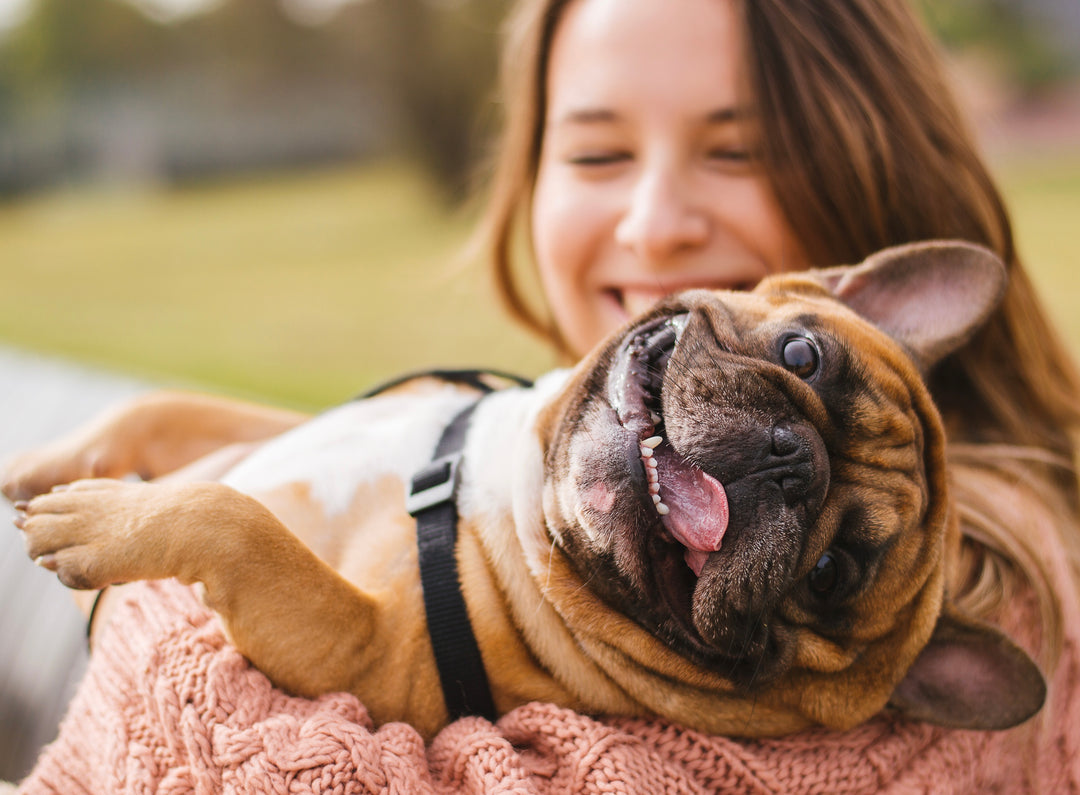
x=691, y=505
x=636, y=302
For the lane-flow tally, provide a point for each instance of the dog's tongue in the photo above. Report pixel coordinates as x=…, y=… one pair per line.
x=697, y=507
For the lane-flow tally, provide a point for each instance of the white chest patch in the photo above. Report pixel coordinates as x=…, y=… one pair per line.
x=352, y=445
x=501, y=436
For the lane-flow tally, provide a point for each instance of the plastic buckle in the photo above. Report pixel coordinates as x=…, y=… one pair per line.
x=436, y=483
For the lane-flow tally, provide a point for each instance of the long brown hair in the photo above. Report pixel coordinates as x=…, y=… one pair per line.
x=865, y=148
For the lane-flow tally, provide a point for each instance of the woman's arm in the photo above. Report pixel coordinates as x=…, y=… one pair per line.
x=152, y=435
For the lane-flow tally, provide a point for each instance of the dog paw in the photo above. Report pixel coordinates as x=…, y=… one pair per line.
x=94, y=533
x=39, y=470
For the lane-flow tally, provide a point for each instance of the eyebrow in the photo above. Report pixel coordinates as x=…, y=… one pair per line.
x=586, y=116
x=724, y=115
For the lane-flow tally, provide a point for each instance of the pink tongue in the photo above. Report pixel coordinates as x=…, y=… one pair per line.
x=697, y=507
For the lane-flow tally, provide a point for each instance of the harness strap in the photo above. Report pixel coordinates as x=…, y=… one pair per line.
x=473, y=377
x=432, y=501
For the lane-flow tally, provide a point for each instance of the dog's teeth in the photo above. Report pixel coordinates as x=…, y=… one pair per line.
x=656, y=418
x=649, y=461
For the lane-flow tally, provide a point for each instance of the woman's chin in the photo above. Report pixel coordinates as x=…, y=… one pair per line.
x=638, y=302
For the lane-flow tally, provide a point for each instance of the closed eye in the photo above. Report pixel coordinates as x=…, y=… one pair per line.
x=594, y=159
x=728, y=155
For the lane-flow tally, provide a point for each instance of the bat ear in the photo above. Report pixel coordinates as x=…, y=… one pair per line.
x=970, y=676
x=930, y=296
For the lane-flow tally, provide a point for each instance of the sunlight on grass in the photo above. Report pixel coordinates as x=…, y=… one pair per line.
x=306, y=289
x=1044, y=198
x=301, y=289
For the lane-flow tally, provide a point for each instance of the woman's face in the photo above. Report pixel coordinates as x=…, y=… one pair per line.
x=644, y=185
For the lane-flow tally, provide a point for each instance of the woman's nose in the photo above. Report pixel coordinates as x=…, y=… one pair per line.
x=661, y=219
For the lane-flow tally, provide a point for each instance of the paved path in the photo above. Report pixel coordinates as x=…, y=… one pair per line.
x=42, y=641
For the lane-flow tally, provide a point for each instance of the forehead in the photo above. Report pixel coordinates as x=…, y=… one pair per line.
x=623, y=53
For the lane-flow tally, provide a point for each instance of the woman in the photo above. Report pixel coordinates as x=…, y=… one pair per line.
x=820, y=132
x=651, y=146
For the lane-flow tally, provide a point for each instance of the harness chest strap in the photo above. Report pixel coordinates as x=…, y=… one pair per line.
x=432, y=502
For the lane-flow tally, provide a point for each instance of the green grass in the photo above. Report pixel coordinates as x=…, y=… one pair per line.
x=305, y=289
x=1043, y=195
x=299, y=289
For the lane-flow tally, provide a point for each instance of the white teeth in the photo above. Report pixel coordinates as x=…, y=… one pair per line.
x=648, y=446
x=655, y=417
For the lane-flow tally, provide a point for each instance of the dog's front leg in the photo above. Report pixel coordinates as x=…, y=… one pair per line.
x=287, y=611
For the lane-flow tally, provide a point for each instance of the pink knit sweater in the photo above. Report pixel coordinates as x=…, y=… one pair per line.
x=168, y=707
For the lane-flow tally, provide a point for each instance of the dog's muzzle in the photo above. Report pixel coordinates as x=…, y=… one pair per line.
x=692, y=505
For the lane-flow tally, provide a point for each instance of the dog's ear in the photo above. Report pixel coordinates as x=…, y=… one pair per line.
x=970, y=676
x=930, y=296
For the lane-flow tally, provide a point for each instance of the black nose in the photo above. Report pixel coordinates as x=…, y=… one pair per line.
x=797, y=463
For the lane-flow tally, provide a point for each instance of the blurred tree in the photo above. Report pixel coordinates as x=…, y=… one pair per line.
x=441, y=60
x=425, y=66
x=59, y=50
x=1018, y=36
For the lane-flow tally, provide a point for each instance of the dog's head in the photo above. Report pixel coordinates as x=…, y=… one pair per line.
x=758, y=479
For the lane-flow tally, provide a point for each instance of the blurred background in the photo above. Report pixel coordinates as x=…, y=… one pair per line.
x=256, y=196
x=266, y=198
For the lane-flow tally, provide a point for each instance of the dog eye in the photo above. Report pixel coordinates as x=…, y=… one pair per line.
x=824, y=578
x=800, y=357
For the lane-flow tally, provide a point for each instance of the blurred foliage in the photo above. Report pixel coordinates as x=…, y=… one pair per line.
x=423, y=69
x=440, y=61
x=1031, y=55
x=428, y=65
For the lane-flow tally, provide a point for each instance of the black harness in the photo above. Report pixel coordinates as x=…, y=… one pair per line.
x=432, y=501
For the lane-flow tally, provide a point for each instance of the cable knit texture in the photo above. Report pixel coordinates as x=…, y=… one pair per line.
x=168, y=706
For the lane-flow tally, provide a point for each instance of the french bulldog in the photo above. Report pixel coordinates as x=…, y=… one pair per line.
x=733, y=514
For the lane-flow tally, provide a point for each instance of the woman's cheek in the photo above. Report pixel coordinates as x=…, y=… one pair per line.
x=563, y=229
x=755, y=215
